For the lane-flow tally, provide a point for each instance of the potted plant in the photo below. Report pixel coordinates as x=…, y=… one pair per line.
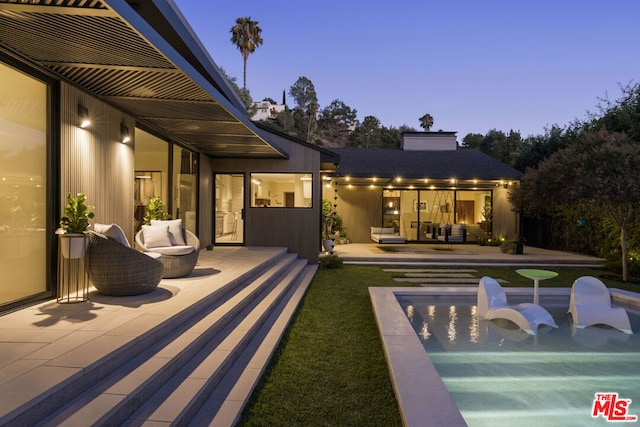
x=155, y=210
x=73, y=225
x=511, y=246
x=327, y=226
x=486, y=220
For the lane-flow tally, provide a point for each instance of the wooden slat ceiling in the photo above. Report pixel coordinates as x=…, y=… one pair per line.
x=90, y=44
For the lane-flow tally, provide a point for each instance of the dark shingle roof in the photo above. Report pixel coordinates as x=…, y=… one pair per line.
x=463, y=164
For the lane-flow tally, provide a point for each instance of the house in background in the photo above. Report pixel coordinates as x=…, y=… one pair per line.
x=423, y=190
x=265, y=110
x=164, y=122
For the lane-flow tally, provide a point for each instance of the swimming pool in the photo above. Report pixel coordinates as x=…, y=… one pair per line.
x=496, y=374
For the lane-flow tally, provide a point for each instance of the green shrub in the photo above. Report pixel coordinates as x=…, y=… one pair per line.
x=493, y=241
x=615, y=266
x=508, y=246
x=330, y=261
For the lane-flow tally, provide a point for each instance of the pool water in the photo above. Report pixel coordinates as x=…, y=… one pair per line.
x=500, y=376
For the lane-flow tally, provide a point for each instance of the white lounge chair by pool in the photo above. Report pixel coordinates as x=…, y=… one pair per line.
x=492, y=304
x=590, y=304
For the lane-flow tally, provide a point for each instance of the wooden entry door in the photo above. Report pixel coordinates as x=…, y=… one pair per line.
x=465, y=211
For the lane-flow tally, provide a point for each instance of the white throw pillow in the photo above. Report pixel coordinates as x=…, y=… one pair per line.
x=175, y=230
x=113, y=232
x=175, y=250
x=156, y=236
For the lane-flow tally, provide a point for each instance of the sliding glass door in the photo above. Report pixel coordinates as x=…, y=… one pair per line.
x=229, y=208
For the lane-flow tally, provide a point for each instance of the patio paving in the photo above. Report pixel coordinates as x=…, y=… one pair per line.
x=46, y=344
x=457, y=255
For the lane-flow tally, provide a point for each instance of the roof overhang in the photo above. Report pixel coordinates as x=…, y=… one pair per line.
x=151, y=67
x=403, y=183
x=461, y=169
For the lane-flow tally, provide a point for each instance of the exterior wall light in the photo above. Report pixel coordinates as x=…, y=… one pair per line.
x=83, y=116
x=125, y=136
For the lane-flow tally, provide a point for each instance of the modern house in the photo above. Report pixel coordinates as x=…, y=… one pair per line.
x=162, y=121
x=119, y=100
x=265, y=110
x=424, y=191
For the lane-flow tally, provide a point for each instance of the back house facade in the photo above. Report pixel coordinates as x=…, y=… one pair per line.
x=120, y=101
x=429, y=190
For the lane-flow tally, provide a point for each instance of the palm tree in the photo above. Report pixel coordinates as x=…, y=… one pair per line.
x=426, y=122
x=246, y=36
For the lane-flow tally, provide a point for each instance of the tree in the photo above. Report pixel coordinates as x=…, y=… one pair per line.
x=473, y=140
x=243, y=94
x=368, y=134
x=426, y=122
x=600, y=174
x=335, y=122
x=245, y=34
x=622, y=114
x=304, y=94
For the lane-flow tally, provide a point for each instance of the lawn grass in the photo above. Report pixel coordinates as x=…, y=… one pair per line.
x=330, y=368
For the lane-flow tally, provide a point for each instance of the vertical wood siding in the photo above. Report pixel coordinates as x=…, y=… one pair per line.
x=298, y=229
x=94, y=161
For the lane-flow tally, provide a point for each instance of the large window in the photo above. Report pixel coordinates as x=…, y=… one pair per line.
x=152, y=172
x=185, y=178
x=281, y=190
x=23, y=185
x=420, y=215
x=175, y=183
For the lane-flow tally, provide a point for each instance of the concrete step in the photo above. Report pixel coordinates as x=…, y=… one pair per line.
x=430, y=270
x=118, y=386
x=181, y=398
x=451, y=280
x=513, y=261
x=450, y=274
x=226, y=402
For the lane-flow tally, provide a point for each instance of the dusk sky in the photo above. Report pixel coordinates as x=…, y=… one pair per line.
x=473, y=65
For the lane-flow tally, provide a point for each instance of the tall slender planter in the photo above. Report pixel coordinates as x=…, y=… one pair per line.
x=327, y=226
x=328, y=245
x=72, y=245
x=73, y=279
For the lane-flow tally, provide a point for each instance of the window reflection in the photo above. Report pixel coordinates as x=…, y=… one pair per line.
x=282, y=190
x=23, y=164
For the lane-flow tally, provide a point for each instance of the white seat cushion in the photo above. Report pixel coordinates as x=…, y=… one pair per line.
x=175, y=230
x=154, y=255
x=113, y=232
x=174, y=250
x=156, y=236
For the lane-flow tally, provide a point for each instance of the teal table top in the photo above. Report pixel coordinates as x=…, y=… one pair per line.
x=536, y=274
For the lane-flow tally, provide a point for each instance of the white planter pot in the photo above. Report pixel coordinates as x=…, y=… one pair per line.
x=72, y=246
x=328, y=244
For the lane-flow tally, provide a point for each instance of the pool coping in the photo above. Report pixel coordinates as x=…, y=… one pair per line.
x=419, y=390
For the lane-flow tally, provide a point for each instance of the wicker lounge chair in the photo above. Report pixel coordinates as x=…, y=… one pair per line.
x=492, y=304
x=175, y=264
x=119, y=270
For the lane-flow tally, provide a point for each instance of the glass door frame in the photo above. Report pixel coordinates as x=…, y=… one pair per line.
x=229, y=224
